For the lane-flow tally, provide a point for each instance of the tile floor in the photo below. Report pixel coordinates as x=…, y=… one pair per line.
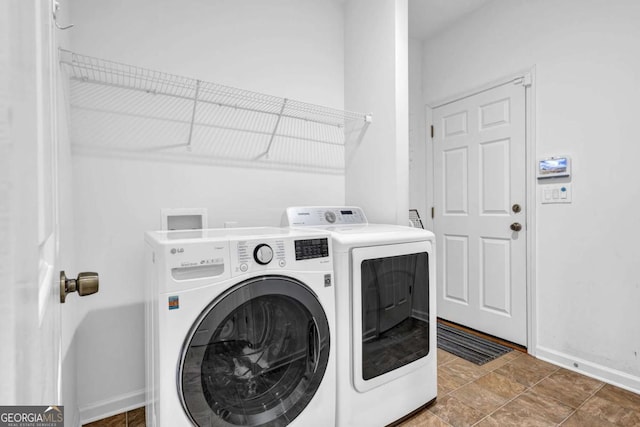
x=519, y=390
x=513, y=390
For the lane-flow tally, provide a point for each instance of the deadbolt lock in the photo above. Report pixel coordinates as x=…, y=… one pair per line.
x=516, y=208
x=86, y=283
x=516, y=226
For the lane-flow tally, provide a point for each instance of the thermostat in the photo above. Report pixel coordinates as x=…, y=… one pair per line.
x=554, y=167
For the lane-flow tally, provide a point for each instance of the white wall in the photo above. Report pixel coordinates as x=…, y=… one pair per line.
x=288, y=48
x=418, y=171
x=376, y=69
x=586, y=90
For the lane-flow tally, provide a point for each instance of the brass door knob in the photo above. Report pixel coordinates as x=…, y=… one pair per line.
x=516, y=226
x=86, y=283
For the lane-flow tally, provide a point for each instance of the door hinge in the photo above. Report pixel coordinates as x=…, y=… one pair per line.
x=433, y=132
x=433, y=212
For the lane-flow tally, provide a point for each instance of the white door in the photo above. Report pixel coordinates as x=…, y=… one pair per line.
x=30, y=305
x=479, y=162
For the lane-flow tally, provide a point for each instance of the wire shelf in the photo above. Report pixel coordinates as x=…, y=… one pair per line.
x=125, y=108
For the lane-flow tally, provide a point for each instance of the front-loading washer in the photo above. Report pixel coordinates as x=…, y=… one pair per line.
x=240, y=328
x=385, y=314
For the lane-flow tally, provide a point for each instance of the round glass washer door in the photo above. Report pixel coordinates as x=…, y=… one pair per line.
x=255, y=356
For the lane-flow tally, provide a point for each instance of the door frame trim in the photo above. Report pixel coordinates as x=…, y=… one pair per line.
x=530, y=184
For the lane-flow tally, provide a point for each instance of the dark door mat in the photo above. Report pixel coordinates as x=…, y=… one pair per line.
x=467, y=346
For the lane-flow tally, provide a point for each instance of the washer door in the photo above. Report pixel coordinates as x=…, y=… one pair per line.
x=255, y=356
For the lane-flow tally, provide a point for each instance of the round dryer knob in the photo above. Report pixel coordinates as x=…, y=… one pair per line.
x=263, y=254
x=330, y=217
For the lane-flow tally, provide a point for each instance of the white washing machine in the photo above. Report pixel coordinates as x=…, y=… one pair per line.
x=240, y=328
x=385, y=314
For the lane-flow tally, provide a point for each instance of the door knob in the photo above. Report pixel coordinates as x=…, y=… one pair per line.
x=86, y=283
x=516, y=226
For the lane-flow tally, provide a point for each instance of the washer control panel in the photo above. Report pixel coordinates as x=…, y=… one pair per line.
x=182, y=261
x=318, y=215
x=276, y=254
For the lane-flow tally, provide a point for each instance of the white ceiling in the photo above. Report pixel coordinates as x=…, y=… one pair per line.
x=428, y=17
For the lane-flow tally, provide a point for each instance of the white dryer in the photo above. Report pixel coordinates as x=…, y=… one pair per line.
x=240, y=328
x=385, y=314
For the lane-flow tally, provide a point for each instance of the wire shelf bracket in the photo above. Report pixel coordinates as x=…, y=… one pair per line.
x=275, y=129
x=193, y=114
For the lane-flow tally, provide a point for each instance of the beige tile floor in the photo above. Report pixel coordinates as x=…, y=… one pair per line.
x=519, y=390
x=513, y=390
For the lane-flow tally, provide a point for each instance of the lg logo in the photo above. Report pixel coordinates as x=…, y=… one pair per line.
x=176, y=250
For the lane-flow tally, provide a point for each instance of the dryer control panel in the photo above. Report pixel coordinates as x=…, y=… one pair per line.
x=319, y=215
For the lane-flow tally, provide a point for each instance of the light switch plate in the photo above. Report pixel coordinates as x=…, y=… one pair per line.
x=555, y=193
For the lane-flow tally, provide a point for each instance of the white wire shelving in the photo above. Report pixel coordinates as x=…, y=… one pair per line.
x=120, y=108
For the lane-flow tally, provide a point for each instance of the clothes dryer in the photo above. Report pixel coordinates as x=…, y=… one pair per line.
x=240, y=328
x=385, y=314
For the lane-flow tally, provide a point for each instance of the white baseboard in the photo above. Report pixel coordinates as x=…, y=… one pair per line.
x=114, y=406
x=590, y=369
